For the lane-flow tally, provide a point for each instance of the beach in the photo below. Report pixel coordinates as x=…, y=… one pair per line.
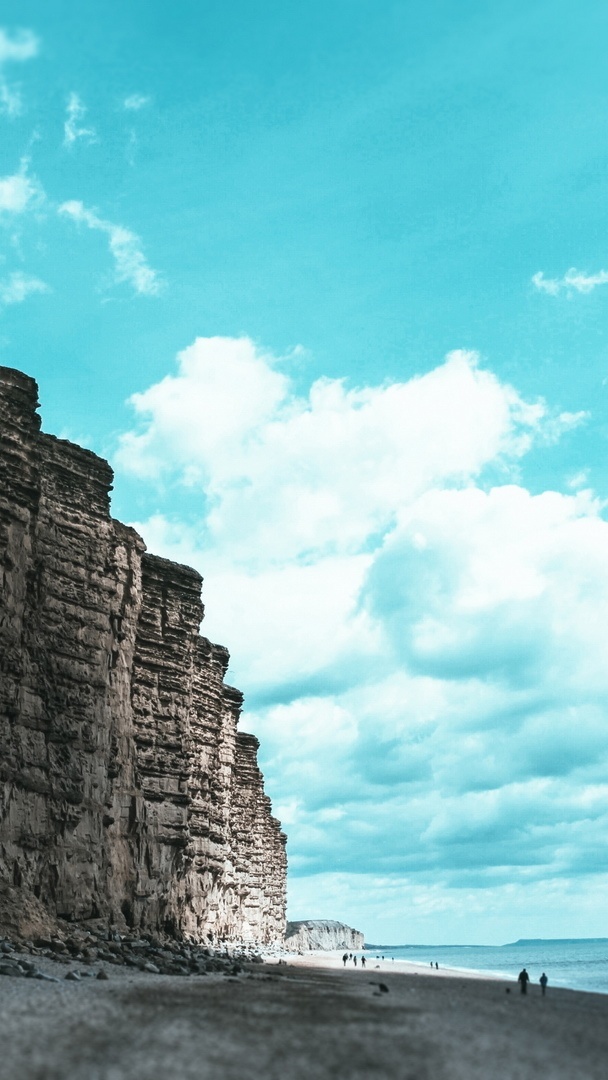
x=333, y=960
x=304, y=1019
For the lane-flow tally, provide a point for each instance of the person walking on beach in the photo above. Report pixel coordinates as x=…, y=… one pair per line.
x=523, y=979
x=345, y=958
x=363, y=961
x=543, y=983
x=355, y=960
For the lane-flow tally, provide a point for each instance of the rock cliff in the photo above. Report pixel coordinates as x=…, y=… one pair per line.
x=322, y=934
x=126, y=792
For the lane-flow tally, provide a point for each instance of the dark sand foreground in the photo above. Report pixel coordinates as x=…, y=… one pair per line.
x=298, y=1023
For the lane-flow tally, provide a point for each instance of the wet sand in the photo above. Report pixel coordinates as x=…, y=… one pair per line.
x=299, y=1021
x=333, y=960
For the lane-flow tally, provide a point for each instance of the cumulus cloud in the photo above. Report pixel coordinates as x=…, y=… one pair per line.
x=130, y=262
x=135, y=102
x=73, y=128
x=14, y=48
x=15, y=288
x=465, y=582
x=400, y=608
x=19, y=192
x=573, y=281
x=326, y=471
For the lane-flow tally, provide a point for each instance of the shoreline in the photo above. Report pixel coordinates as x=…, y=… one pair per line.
x=332, y=961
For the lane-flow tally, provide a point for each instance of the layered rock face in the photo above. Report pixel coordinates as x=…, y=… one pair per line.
x=322, y=934
x=126, y=791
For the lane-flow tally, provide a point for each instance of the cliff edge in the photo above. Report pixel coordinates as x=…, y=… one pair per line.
x=126, y=792
x=322, y=934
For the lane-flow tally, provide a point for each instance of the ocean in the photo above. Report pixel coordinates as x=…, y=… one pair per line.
x=577, y=963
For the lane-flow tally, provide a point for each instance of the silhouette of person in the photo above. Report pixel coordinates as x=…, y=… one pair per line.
x=436, y=966
x=355, y=960
x=523, y=979
x=363, y=961
x=345, y=958
x=543, y=983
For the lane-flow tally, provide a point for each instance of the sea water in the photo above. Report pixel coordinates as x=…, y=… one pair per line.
x=577, y=963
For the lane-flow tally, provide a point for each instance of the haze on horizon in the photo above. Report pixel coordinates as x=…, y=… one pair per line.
x=328, y=286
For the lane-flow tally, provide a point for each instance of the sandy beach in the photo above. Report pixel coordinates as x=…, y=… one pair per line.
x=333, y=960
x=307, y=1019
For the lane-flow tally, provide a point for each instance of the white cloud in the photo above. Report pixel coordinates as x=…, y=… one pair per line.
x=498, y=584
x=572, y=281
x=578, y=479
x=435, y=639
x=14, y=48
x=20, y=192
x=135, y=102
x=323, y=472
x=130, y=262
x=18, y=286
x=23, y=45
x=73, y=128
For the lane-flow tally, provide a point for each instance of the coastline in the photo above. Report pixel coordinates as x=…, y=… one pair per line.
x=332, y=961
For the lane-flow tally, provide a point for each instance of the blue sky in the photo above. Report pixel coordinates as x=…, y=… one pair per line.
x=327, y=283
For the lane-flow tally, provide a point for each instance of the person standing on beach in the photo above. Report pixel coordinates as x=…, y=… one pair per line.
x=355, y=960
x=543, y=983
x=363, y=961
x=523, y=979
x=345, y=958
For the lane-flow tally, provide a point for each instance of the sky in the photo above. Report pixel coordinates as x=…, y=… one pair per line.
x=328, y=286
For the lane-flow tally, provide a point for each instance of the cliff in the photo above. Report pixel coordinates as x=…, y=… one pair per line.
x=126, y=792
x=322, y=934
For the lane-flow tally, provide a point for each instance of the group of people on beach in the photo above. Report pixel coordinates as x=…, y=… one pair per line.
x=523, y=979
x=353, y=956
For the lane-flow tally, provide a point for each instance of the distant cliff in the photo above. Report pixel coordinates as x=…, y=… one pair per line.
x=126, y=792
x=322, y=934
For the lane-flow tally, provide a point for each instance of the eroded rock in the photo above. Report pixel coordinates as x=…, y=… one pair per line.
x=127, y=796
x=322, y=934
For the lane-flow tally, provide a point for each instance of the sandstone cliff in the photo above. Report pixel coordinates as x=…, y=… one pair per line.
x=126, y=792
x=322, y=934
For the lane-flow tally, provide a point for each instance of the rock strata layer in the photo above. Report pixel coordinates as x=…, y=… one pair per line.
x=322, y=934
x=126, y=792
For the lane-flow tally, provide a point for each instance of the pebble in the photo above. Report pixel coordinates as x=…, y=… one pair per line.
x=12, y=969
x=146, y=952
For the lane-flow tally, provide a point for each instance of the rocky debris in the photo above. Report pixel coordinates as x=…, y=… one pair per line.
x=322, y=934
x=150, y=954
x=126, y=792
